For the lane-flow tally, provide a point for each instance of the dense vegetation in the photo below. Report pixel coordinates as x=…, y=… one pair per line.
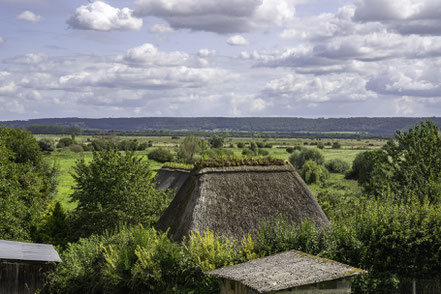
x=387, y=222
x=385, y=125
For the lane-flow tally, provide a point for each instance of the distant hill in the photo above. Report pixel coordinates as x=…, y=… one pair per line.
x=364, y=125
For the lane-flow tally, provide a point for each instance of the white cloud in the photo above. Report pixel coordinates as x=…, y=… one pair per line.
x=204, y=52
x=237, y=40
x=1, y=40
x=31, y=58
x=161, y=28
x=7, y=88
x=29, y=16
x=404, y=16
x=100, y=16
x=228, y=16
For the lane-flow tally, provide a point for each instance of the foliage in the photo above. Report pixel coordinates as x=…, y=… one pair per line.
x=114, y=188
x=129, y=145
x=101, y=144
x=320, y=145
x=178, y=165
x=188, y=149
x=411, y=165
x=27, y=184
x=337, y=166
x=363, y=166
x=161, y=155
x=46, y=145
x=298, y=158
x=65, y=142
x=240, y=145
x=247, y=152
x=76, y=148
x=290, y=149
x=54, y=227
x=216, y=141
x=312, y=173
x=217, y=153
x=336, y=145
x=239, y=161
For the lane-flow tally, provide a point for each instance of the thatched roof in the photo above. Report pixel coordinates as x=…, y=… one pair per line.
x=233, y=201
x=171, y=178
x=285, y=270
x=11, y=250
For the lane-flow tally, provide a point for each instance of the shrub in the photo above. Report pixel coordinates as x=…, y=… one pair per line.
x=290, y=149
x=46, y=145
x=65, y=142
x=76, y=148
x=336, y=145
x=313, y=173
x=363, y=165
x=268, y=145
x=217, y=153
x=247, y=153
x=320, y=145
x=142, y=146
x=262, y=152
x=161, y=155
x=216, y=141
x=337, y=166
x=240, y=145
x=298, y=158
x=260, y=144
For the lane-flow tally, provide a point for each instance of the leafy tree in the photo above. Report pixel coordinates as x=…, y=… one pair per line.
x=161, y=155
x=410, y=165
x=188, y=149
x=320, y=145
x=313, y=173
x=216, y=141
x=363, y=166
x=336, y=145
x=114, y=188
x=290, y=149
x=27, y=184
x=298, y=158
x=240, y=145
x=65, y=142
x=54, y=228
x=337, y=166
x=253, y=147
x=46, y=145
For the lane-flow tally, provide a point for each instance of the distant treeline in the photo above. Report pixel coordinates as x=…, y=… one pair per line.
x=283, y=125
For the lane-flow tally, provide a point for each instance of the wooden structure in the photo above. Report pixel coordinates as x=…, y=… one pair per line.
x=291, y=272
x=23, y=265
x=233, y=201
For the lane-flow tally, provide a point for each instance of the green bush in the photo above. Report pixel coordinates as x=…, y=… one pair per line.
x=65, y=142
x=46, y=145
x=298, y=158
x=290, y=149
x=76, y=148
x=336, y=145
x=337, y=166
x=320, y=145
x=240, y=145
x=161, y=155
x=312, y=173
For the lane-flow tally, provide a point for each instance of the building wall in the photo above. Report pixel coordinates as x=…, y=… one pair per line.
x=20, y=277
x=340, y=286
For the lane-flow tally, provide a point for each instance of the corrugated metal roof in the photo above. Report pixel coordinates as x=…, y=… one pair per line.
x=285, y=270
x=13, y=250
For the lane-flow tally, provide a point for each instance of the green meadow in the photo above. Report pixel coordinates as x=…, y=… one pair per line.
x=65, y=159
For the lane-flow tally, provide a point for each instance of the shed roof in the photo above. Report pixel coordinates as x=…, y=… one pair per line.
x=12, y=250
x=285, y=270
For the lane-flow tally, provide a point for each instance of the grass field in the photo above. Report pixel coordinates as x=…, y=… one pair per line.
x=65, y=159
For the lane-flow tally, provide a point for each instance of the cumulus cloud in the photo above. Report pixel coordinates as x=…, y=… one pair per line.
x=237, y=40
x=161, y=28
x=204, y=52
x=31, y=58
x=228, y=16
x=29, y=16
x=404, y=16
x=101, y=16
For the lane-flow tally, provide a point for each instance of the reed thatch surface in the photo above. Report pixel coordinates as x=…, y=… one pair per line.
x=233, y=201
x=285, y=270
x=171, y=178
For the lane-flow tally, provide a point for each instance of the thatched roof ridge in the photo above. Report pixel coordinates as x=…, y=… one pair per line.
x=285, y=270
x=233, y=201
x=245, y=168
x=171, y=178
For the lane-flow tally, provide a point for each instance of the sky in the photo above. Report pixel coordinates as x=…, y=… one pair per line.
x=290, y=58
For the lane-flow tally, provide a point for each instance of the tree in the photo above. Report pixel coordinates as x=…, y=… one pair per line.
x=363, y=165
x=46, y=145
x=188, y=149
x=216, y=141
x=298, y=158
x=336, y=145
x=337, y=166
x=410, y=165
x=114, y=188
x=54, y=228
x=320, y=145
x=313, y=173
x=161, y=155
x=27, y=184
x=65, y=142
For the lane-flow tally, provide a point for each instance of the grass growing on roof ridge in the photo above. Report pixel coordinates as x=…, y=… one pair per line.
x=239, y=161
x=178, y=165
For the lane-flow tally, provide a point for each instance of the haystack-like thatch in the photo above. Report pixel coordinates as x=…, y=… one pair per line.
x=233, y=201
x=171, y=178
